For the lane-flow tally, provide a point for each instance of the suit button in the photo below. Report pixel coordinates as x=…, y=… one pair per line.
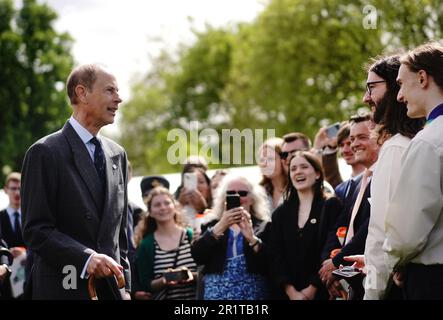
x=88, y=216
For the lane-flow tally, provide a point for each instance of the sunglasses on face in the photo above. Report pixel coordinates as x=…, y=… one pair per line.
x=241, y=193
x=284, y=154
x=369, y=86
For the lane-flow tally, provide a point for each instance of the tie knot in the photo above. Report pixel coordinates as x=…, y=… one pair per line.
x=16, y=214
x=95, y=141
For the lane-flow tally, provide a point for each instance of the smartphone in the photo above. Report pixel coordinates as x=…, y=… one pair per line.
x=190, y=181
x=176, y=275
x=232, y=201
x=332, y=130
x=347, y=273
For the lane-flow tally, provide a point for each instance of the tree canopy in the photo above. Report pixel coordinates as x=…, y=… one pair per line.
x=35, y=61
x=299, y=64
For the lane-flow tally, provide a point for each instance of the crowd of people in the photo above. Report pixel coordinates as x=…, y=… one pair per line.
x=302, y=233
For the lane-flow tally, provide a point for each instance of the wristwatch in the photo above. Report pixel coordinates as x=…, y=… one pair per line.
x=258, y=241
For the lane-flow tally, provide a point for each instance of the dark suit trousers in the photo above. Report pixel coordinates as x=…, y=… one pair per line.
x=423, y=282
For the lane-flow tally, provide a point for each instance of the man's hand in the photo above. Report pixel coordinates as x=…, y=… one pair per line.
x=3, y=272
x=326, y=271
x=102, y=266
x=359, y=261
x=16, y=251
x=398, y=279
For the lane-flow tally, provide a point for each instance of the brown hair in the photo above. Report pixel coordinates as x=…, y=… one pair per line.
x=147, y=224
x=391, y=115
x=276, y=144
x=343, y=132
x=85, y=75
x=293, y=136
x=427, y=57
x=317, y=188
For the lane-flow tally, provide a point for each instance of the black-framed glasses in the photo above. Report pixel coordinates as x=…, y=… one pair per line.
x=368, y=85
x=241, y=193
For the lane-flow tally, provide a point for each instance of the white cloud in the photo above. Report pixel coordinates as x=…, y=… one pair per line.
x=121, y=33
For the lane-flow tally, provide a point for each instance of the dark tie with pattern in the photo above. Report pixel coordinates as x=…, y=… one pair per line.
x=17, y=225
x=99, y=160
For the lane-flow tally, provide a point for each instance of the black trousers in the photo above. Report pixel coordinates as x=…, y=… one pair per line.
x=423, y=282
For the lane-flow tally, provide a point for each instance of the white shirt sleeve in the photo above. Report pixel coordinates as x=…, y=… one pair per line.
x=415, y=207
x=84, y=274
x=384, y=181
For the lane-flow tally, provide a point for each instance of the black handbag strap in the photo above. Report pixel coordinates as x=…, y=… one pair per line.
x=178, y=251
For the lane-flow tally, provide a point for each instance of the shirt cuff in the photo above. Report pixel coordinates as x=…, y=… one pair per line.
x=84, y=274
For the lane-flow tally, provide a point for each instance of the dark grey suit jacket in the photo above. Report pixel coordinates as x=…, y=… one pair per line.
x=66, y=216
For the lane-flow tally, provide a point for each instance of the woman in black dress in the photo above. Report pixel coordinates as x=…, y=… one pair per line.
x=299, y=229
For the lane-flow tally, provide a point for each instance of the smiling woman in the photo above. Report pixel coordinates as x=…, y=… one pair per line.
x=299, y=229
x=164, y=246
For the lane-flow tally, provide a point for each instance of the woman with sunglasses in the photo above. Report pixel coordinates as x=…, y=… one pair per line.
x=232, y=244
x=299, y=229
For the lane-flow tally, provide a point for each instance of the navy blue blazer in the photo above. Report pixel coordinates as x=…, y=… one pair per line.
x=361, y=223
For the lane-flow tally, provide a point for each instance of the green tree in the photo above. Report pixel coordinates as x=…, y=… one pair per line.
x=35, y=61
x=299, y=64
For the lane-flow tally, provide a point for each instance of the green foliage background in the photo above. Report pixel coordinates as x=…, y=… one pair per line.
x=299, y=64
x=34, y=63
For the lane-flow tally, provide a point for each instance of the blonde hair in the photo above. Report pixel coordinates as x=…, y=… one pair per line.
x=13, y=176
x=275, y=144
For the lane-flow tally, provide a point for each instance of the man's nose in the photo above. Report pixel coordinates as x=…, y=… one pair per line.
x=400, y=96
x=367, y=98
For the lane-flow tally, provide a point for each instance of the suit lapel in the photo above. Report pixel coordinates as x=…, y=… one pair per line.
x=112, y=181
x=84, y=165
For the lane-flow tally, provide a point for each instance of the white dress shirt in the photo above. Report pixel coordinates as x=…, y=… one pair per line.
x=384, y=180
x=84, y=135
x=414, y=222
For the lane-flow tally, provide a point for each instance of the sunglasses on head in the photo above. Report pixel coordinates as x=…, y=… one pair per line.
x=241, y=193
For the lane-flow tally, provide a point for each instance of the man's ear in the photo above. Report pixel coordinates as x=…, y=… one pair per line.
x=423, y=78
x=81, y=92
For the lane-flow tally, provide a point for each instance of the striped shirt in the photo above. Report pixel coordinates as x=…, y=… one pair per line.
x=164, y=260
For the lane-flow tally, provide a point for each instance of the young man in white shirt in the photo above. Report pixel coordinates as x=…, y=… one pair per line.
x=414, y=224
x=394, y=131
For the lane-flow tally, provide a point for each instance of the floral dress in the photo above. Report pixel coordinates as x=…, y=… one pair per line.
x=235, y=283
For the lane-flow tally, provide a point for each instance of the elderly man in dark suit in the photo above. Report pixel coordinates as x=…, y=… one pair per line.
x=74, y=197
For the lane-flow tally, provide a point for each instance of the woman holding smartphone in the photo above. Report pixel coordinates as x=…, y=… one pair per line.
x=164, y=244
x=194, y=195
x=299, y=229
x=232, y=246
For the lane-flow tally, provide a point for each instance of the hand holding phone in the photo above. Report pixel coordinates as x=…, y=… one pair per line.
x=332, y=130
x=346, y=272
x=232, y=201
x=190, y=181
x=177, y=275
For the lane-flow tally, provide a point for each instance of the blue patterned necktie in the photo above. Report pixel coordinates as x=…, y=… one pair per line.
x=99, y=160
